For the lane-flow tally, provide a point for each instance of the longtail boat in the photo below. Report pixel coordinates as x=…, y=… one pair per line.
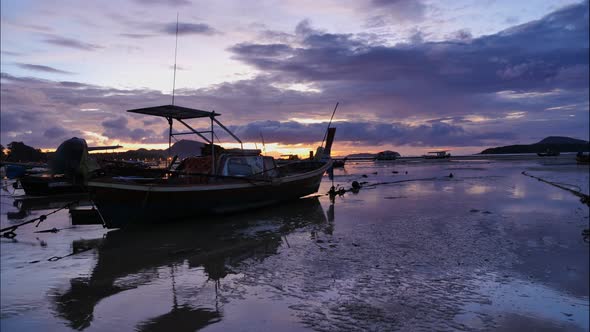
x=217, y=183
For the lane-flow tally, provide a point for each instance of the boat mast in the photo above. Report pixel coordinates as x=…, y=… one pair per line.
x=173, y=91
x=329, y=123
x=175, y=54
x=212, y=145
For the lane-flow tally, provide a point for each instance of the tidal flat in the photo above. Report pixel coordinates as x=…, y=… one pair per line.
x=415, y=249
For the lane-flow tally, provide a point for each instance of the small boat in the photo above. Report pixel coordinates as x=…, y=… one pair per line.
x=338, y=163
x=443, y=154
x=235, y=180
x=548, y=153
x=387, y=155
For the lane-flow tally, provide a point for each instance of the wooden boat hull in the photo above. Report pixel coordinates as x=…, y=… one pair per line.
x=124, y=205
x=48, y=186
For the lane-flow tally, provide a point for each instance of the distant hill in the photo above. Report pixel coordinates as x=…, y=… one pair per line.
x=561, y=140
x=554, y=143
x=182, y=148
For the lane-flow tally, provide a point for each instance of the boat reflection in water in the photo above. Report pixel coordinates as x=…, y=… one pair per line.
x=129, y=259
x=26, y=204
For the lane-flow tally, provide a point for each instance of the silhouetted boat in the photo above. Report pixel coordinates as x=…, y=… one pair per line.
x=387, y=155
x=548, y=153
x=67, y=172
x=437, y=155
x=338, y=163
x=232, y=181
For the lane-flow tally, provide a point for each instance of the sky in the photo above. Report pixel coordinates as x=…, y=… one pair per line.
x=409, y=75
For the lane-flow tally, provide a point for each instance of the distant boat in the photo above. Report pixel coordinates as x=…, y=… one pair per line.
x=443, y=154
x=387, y=155
x=548, y=153
x=235, y=180
x=338, y=163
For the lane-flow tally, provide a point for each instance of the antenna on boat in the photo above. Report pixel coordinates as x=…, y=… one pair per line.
x=263, y=145
x=175, y=53
x=329, y=123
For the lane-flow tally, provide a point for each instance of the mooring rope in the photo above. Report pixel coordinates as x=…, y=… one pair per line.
x=76, y=251
x=585, y=199
x=8, y=232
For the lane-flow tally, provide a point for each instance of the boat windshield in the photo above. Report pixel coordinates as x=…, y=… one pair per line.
x=243, y=166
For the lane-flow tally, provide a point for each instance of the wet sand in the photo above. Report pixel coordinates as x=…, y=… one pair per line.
x=488, y=249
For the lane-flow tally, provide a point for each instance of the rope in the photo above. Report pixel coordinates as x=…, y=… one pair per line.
x=585, y=199
x=56, y=258
x=8, y=232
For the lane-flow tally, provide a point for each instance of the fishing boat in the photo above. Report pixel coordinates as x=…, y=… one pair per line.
x=217, y=183
x=443, y=154
x=548, y=153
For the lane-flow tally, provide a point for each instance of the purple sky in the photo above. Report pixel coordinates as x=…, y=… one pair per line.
x=410, y=76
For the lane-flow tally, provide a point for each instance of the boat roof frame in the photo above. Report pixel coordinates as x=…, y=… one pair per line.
x=179, y=113
x=175, y=112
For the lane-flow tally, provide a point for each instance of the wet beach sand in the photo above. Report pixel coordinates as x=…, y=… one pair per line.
x=488, y=249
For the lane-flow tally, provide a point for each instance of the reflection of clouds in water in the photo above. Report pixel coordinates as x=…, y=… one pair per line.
x=419, y=187
x=557, y=195
x=449, y=189
x=517, y=191
x=478, y=189
x=524, y=298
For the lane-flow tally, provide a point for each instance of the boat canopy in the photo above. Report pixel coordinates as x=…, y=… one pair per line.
x=175, y=112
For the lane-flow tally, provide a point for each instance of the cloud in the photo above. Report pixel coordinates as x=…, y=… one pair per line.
x=10, y=53
x=71, y=43
x=529, y=56
x=136, y=35
x=394, y=12
x=188, y=29
x=116, y=128
x=164, y=2
x=372, y=133
x=491, y=90
x=41, y=68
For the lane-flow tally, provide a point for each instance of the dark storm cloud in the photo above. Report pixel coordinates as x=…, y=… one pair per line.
x=117, y=128
x=26, y=112
x=71, y=43
x=368, y=133
x=188, y=29
x=528, y=56
x=55, y=132
x=41, y=68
